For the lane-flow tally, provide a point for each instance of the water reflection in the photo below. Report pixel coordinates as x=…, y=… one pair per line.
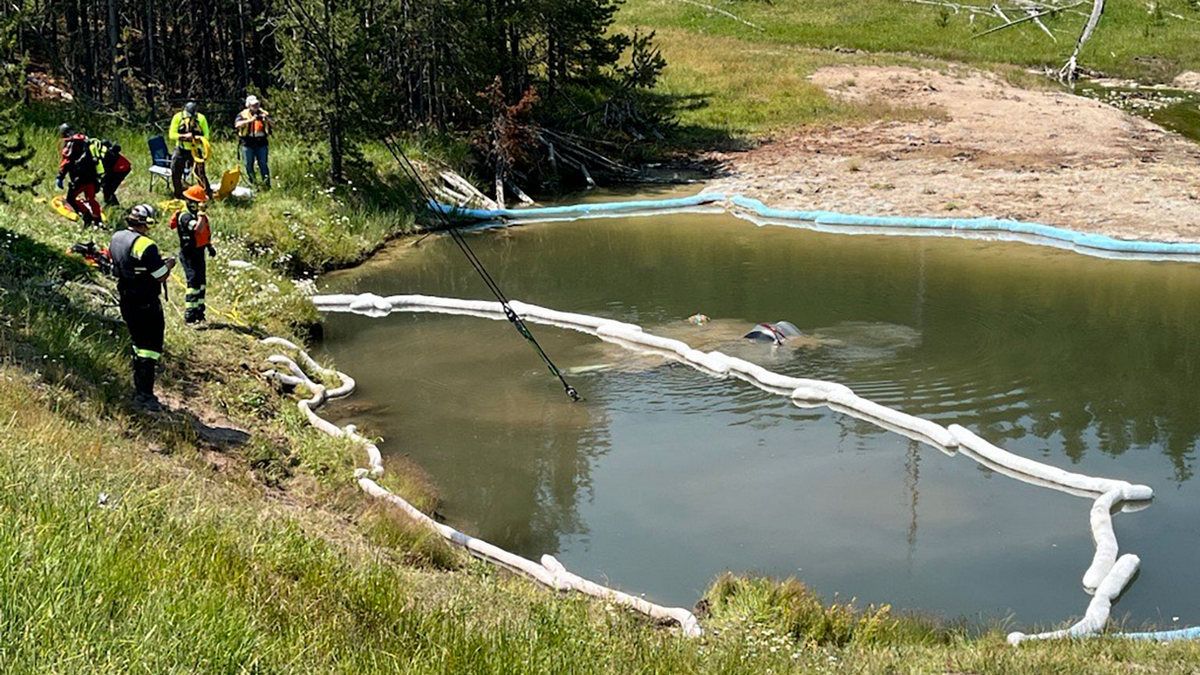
x=490, y=478
x=912, y=476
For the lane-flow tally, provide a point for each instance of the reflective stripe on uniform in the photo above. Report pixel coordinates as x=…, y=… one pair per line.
x=140, y=245
x=147, y=354
x=194, y=298
x=160, y=272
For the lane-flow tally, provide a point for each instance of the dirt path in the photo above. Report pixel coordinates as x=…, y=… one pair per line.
x=990, y=149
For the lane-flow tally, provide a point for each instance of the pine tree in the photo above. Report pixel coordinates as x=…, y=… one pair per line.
x=16, y=175
x=331, y=88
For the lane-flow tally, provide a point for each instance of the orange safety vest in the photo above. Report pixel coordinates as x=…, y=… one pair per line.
x=201, y=232
x=255, y=129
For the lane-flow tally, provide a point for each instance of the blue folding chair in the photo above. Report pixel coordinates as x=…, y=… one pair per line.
x=160, y=162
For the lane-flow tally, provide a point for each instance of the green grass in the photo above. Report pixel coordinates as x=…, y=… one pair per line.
x=735, y=83
x=1130, y=42
x=264, y=557
x=730, y=89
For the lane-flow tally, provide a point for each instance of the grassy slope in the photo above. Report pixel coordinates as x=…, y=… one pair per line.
x=733, y=89
x=1130, y=42
x=740, y=80
x=187, y=570
x=263, y=556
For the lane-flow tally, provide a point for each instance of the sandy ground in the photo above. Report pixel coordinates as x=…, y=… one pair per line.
x=1189, y=80
x=989, y=149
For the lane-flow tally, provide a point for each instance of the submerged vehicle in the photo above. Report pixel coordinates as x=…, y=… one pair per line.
x=776, y=333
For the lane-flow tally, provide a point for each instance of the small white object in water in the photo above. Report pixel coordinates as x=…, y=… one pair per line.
x=583, y=370
x=698, y=319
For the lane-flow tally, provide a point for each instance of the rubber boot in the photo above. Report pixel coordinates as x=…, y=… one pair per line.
x=143, y=385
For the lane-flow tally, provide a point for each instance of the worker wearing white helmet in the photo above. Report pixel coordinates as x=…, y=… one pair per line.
x=253, y=125
x=141, y=276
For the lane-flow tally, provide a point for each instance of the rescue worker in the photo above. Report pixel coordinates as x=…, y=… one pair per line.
x=141, y=274
x=116, y=167
x=81, y=163
x=187, y=126
x=195, y=239
x=253, y=126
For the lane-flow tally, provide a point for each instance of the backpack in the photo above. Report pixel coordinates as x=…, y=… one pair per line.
x=201, y=232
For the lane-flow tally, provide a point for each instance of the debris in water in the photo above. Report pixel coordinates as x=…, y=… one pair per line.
x=596, y=368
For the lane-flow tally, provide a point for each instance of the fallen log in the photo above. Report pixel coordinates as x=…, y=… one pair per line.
x=464, y=186
x=1031, y=17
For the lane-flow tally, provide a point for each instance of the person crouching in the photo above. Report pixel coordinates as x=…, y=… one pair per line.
x=141, y=274
x=195, y=239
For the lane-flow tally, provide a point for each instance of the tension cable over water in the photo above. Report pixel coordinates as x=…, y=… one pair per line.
x=429, y=198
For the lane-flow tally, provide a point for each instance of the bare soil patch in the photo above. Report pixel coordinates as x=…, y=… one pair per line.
x=1189, y=80
x=988, y=149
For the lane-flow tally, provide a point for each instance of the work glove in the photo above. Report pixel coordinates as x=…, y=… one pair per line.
x=212, y=251
x=58, y=182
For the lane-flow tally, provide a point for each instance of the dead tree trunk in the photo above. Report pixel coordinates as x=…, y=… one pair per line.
x=1070, y=71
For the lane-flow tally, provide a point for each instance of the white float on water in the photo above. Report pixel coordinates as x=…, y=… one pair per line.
x=1106, y=577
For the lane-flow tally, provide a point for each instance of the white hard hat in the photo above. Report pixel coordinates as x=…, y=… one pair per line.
x=251, y=100
x=143, y=214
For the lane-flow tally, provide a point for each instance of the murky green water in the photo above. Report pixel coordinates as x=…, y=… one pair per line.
x=664, y=477
x=1173, y=109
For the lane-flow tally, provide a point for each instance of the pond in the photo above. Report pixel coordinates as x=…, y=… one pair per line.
x=663, y=477
x=1175, y=109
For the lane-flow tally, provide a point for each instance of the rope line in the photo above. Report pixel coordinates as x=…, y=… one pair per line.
x=518, y=323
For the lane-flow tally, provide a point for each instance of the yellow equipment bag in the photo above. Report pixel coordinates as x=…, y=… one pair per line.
x=229, y=182
x=59, y=205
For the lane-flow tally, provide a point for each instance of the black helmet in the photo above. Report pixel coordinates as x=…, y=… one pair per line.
x=65, y=130
x=142, y=214
x=190, y=108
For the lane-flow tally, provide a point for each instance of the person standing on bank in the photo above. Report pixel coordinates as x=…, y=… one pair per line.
x=189, y=130
x=253, y=126
x=141, y=274
x=195, y=239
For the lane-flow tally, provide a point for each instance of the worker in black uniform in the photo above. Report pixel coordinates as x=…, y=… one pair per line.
x=195, y=239
x=141, y=274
